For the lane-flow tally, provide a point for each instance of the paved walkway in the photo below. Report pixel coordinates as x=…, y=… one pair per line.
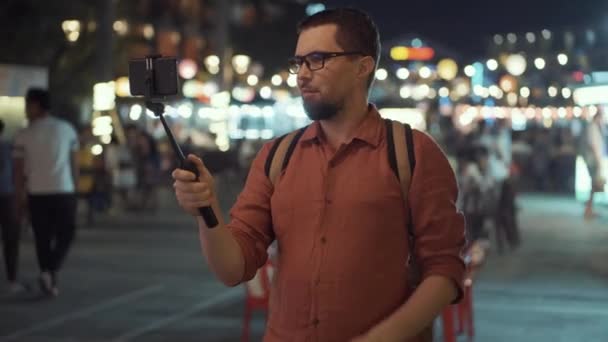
x=142, y=278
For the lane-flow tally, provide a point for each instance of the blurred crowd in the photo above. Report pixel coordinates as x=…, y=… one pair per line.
x=125, y=175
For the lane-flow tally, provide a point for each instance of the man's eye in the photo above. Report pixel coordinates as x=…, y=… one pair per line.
x=315, y=58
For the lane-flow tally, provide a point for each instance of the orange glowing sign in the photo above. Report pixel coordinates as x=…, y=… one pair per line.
x=402, y=53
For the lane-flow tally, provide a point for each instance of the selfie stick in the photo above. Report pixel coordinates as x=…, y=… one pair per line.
x=159, y=109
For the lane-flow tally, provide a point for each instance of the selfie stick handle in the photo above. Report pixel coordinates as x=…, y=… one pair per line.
x=185, y=164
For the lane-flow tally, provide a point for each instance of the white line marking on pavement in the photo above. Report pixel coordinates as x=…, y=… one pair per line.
x=83, y=313
x=582, y=310
x=227, y=295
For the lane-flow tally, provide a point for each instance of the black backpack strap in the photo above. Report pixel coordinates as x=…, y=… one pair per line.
x=409, y=138
x=400, y=146
x=280, y=153
x=390, y=146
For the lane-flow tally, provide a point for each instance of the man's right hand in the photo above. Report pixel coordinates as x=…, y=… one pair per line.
x=192, y=194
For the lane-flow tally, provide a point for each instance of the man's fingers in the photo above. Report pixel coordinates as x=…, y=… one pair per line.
x=193, y=198
x=183, y=175
x=190, y=187
x=200, y=165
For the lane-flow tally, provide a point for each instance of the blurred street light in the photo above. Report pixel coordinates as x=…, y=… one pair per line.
x=405, y=92
x=381, y=74
x=71, y=29
x=447, y=69
x=240, y=63
x=252, y=80
x=276, y=80
x=562, y=58
x=540, y=63
x=531, y=37
x=546, y=34
x=498, y=39
x=266, y=92
x=512, y=38
x=552, y=91
x=403, y=73
x=516, y=64
x=122, y=87
x=187, y=68
x=121, y=27
x=148, y=31
x=566, y=93
x=469, y=70
x=425, y=72
x=212, y=63
x=492, y=64
x=524, y=92
x=104, y=96
x=292, y=80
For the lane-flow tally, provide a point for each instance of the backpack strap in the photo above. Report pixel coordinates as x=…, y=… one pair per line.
x=280, y=153
x=402, y=155
x=401, y=158
x=400, y=143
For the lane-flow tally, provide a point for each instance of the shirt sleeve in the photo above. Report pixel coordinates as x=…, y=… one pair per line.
x=74, y=142
x=439, y=228
x=251, y=219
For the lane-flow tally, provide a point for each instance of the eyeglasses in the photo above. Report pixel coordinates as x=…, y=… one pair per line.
x=315, y=60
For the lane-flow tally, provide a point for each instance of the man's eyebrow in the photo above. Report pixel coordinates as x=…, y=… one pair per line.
x=312, y=53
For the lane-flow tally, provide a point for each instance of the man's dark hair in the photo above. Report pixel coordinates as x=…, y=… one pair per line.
x=39, y=96
x=356, y=31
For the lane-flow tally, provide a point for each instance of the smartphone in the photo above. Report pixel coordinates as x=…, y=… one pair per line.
x=166, y=80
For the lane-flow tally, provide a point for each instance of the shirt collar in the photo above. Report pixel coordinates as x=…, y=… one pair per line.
x=369, y=131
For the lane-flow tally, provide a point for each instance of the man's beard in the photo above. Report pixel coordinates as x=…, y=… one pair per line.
x=320, y=110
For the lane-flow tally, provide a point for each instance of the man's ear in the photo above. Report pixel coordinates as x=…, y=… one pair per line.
x=366, y=67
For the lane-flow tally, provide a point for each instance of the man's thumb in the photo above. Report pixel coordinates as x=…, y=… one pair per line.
x=200, y=166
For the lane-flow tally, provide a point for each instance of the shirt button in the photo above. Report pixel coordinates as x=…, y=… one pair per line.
x=317, y=281
x=315, y=321
x=323, y=240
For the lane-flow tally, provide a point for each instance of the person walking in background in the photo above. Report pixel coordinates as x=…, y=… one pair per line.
x=475, y=192
x=594, y=157
x=46, y=172
x=9, y=223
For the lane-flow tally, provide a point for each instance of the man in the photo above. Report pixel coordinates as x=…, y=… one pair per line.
x=594, y=157
x=9, y=224
x=337, y=210
x=46, y=171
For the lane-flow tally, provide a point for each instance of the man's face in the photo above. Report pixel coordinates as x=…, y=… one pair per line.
x=324, y=90
x=32, y=110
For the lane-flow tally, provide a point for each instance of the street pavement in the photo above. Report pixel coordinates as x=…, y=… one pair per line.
x=141, y=277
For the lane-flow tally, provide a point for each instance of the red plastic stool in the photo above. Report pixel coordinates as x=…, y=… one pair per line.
x=463, y=311
x=258, y=295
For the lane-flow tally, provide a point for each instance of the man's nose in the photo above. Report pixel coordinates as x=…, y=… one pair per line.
x=304, y=73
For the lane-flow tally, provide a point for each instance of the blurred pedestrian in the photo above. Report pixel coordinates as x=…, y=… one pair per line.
x=475, y=189
x=148, y=171
x=9, y=223
x=120, y=165
x=46, y=170
x=338, y=210
x=594, y=157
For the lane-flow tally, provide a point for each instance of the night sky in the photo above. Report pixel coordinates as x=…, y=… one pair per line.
x=463, y=25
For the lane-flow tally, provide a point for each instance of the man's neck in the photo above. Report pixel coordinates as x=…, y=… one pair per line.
x=342, y=126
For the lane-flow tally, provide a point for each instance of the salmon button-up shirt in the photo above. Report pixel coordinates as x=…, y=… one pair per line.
x=341, y=225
